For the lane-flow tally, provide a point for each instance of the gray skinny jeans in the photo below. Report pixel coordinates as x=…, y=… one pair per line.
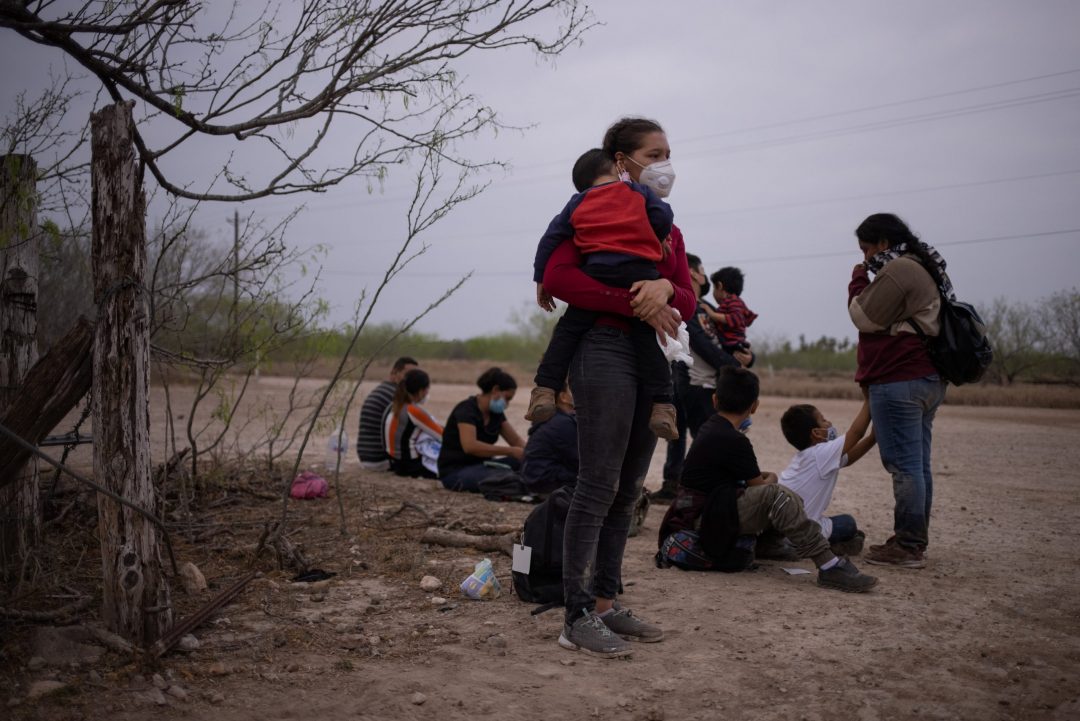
x=615, y=447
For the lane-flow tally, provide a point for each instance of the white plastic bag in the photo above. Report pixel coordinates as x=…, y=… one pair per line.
x=336, y=447
x=677, y=348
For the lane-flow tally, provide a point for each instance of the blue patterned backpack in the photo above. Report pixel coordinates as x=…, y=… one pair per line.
x=682, y=549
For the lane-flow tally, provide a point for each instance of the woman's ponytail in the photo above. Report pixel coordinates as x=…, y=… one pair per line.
x=414, y=381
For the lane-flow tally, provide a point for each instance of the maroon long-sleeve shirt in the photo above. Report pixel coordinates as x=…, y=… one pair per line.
x=565, y=280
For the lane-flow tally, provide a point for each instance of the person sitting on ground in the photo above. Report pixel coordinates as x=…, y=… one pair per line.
x=413, y=437
x=370, y=439
x=724, y=495
x=551, y=454
x=470, y=450
x=731, y=316
x=621, y=228
x=812, y=473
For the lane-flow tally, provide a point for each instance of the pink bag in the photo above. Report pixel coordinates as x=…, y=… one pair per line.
x=309, y=485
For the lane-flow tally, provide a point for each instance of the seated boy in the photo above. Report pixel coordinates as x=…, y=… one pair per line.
x=620, y=228
x=731, y=316
x=723, y=493
x=812, y=473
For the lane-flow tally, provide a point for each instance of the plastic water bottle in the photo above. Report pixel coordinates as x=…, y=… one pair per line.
x=336, y=447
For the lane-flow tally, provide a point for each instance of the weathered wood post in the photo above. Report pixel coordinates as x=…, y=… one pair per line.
x=136, y=600
x=20, y=501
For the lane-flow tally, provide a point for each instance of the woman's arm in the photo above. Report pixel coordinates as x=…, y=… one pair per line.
x=510, y=435
x=422, y=420
x=874, y=306
x=564, y=279
x=475, y=447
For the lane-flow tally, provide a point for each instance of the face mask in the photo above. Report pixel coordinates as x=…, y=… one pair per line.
x=703, y=289
x=745, y=425
x=658, y=176
x=497, y=405
x=831, y=434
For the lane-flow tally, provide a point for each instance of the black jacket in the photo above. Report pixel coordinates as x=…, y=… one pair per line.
x=551, y=454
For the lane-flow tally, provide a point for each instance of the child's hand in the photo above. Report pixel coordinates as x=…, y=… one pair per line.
x=544, y=299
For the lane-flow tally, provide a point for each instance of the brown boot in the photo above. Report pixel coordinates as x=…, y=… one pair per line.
x=662, y=421
x=541, y=405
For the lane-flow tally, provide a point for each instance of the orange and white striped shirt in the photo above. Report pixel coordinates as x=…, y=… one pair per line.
x=405, y=429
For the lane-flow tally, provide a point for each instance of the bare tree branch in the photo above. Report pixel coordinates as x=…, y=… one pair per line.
x=380, y=76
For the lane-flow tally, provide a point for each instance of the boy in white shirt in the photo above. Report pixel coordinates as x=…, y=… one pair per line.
x=812, y=473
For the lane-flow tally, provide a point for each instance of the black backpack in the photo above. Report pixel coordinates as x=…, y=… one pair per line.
x=505, y=486
x=960, y=351
x=544, y=534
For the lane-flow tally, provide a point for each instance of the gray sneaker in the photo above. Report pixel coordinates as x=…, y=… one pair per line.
x=623, y=622
x=591, y=635
x=845, y=577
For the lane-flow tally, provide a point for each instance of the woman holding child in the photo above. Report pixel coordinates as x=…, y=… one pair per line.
x=613, y=404
x=902, y=383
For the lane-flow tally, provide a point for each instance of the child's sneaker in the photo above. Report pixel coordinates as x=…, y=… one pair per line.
x=541, y=405
x=662, y=421
x=844, y=576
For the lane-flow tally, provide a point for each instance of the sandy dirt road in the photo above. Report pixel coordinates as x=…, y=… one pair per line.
x=989, y=630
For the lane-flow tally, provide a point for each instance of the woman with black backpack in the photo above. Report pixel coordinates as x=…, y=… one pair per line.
x=896, y=371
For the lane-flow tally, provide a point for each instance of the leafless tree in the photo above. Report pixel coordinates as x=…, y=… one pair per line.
x=377, y=78
x=1016, y=336
x=216, y=313
x=429, y=204
x=1061, y=323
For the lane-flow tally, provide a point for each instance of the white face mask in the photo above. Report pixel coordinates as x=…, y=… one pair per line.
x=659, y=176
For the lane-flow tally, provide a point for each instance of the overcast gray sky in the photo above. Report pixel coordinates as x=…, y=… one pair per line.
x=789, y=123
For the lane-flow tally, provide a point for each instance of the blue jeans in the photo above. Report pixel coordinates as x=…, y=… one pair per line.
x=468, y=478
x=615, y=446
x=903, y=414
x=843, y=528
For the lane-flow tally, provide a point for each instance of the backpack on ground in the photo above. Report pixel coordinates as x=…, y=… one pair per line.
x=682, y=549
x=961, y=350
x=505, y=485
x=543, y=533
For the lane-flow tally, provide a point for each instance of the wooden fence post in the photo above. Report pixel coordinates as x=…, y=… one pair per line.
x=20, y=502
x=136, y=600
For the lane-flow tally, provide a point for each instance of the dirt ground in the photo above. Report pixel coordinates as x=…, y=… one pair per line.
x=989, y=630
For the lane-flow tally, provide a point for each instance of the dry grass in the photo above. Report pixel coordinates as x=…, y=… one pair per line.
x=804, y=384
x=784, y=383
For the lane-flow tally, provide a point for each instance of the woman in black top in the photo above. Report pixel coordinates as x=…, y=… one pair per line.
x=471, y=435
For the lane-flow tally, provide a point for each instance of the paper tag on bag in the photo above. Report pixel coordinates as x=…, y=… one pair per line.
x=522, y=559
